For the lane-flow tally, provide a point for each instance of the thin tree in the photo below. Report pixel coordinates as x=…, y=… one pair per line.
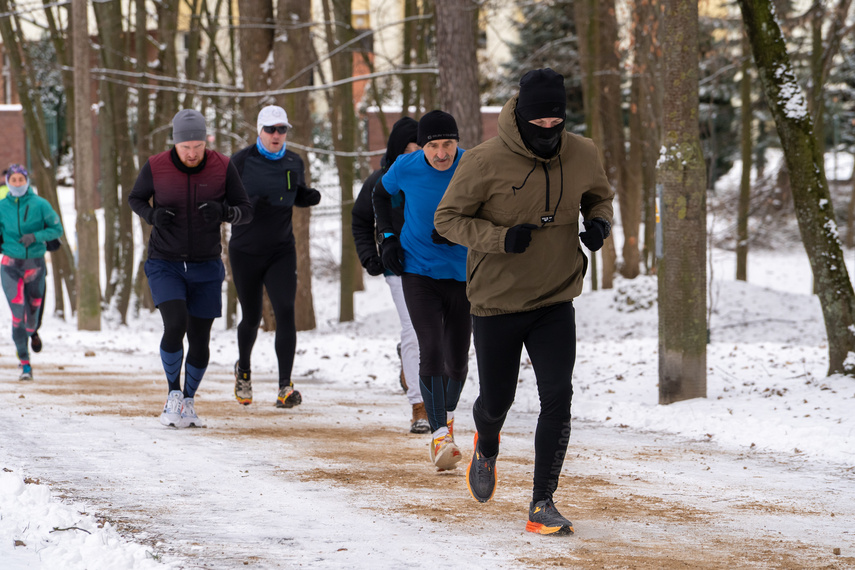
x=339, y=31
x=89, y=250
x=613, y=143
x=588, y=26
x=682, y=173
x=456, y=43
x=645, y=121
x=809, y=185
x=119, y=258
x=293, y=18
x=745, y=182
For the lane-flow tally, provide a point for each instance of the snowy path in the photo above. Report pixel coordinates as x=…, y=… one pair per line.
x=337, y=483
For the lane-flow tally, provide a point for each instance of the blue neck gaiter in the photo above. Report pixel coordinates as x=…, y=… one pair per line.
x=266, y=153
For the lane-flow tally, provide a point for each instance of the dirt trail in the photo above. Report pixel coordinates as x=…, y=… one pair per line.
x=637, y=500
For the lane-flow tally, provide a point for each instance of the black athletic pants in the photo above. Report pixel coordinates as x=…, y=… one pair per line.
x=439, y=311
x=549, y=335
x=176, y=324
x=277, y=272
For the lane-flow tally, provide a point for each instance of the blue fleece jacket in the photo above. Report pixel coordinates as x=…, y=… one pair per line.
x=423, y=187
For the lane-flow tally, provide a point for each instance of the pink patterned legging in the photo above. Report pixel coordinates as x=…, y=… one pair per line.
x=24, y=284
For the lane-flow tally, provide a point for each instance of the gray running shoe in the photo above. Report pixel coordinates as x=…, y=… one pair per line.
x=544, y=518
x=243, y=385
x=188, y=415
x=288, y=397
x=171, y=415
x=481, y=475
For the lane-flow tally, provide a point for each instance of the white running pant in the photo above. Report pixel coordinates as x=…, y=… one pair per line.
x=409, y=342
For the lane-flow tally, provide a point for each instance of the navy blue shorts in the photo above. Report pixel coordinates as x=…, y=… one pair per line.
x=199, y=284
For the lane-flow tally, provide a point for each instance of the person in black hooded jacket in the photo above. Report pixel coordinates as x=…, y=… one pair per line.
x=402, y=140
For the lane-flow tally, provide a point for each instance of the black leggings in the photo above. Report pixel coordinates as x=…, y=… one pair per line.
x=439, y=311
x=277, y=273
x=177, y=323
x=549, y=335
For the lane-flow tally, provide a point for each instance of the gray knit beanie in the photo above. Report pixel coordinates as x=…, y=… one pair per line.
x=188, y=125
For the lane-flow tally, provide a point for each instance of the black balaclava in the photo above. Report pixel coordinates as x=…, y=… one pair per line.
x=542, y=96
x=404, y=131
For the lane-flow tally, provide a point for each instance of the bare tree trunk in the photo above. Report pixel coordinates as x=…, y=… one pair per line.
x=425, y=84
x=650, y=21
x=587, y=27
x=88, y=263
x=44, y=170
x=745, y=182
x=109, y=182
x=682, y=172
x=850, y=218
x=343, y=121
x=809, y=185
x=121, y=267
x=456, y=43
x=292, y=56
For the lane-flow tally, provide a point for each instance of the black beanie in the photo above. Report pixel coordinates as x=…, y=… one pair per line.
x=542, y=95
x=404, y=132
x=437, y=125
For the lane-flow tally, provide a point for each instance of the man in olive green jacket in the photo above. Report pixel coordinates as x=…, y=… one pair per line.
x=515, y=202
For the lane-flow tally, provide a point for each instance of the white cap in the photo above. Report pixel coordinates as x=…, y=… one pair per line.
x=272, y=115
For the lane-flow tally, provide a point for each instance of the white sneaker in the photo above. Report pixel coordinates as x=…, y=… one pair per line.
x=188, y=415
x=171, y=415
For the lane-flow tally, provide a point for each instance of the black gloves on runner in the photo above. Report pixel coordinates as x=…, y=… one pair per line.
x=213, y=211
x=27, y=240
x=596, y=231
x=518, y=238
x=373, y=265
x=392, y=253
x=310, y=196
x=162, y=217
x=439, y=240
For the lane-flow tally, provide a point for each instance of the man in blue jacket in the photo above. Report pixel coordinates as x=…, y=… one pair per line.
x=433, y=274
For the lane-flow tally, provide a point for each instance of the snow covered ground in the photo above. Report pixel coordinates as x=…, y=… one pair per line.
x=761, y=473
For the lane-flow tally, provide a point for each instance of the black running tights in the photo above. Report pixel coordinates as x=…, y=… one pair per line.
x=277, y=273
x=439, y=310
x=176, y=324
x=549, y=335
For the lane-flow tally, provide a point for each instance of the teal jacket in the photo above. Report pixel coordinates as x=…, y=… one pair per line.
x=29, y=214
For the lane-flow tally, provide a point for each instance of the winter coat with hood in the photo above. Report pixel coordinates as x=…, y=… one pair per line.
x=365, y=234
x=500, y=184
x=28, y=214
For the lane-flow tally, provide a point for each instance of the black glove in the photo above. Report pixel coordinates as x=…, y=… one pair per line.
x=373, y=265
x=27, y=240
x=439, y=240
x=162, y=217
x=518, y=238
x=311, y=197
x=596, y=231
x=53, y=244
x=213, y=211
x=392, y=254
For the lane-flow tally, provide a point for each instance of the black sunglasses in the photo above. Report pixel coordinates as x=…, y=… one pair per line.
x=270, y=130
